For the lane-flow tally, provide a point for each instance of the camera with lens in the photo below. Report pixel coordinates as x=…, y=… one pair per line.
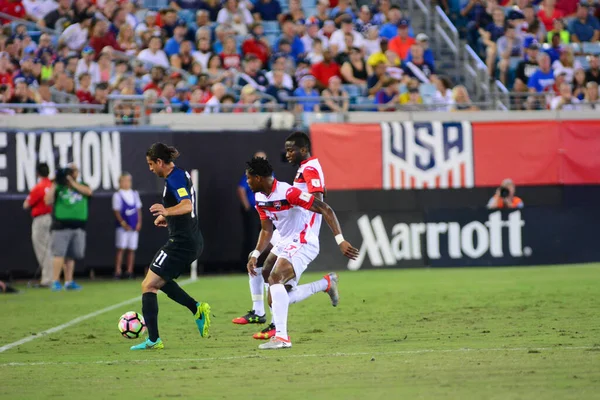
x=504, y=192
x=61, y=176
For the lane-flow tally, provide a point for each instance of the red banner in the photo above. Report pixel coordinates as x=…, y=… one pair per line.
x=412, y=155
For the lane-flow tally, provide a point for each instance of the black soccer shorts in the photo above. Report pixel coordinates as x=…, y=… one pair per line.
x=171, y=260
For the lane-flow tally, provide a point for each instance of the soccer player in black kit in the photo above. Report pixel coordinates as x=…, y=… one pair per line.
x=178, y=214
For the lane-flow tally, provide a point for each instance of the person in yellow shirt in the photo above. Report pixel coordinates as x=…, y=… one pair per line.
x=412, y=96
x=384, y=56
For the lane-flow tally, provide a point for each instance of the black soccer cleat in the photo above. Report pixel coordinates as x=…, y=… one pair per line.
x=250, y=318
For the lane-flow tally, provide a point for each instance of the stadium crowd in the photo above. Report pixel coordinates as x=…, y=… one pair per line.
x=203, y=56
x=548, y=50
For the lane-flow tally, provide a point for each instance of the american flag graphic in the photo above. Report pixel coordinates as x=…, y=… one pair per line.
x=427, y=155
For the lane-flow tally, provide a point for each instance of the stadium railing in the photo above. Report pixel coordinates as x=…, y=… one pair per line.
x=447, y=34
x=424, y=6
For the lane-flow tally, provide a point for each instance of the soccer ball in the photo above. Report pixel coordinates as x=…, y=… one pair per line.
x=132, y=325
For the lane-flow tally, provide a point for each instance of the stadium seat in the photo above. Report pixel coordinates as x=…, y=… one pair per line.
x=353, y=90
x=591, y=48
x=187, y=15
x=585, y=64
x=364, y=101
x=272, y=38
x=156, y=4
x=271, y=27
x=427, y=91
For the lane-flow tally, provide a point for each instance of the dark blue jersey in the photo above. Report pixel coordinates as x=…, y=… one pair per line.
x=182, y=228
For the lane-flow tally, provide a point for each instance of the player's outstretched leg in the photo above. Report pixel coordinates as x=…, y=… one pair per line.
x=257, y=314
x=201, y=311
x=150, y=286
x=328, y=284
x=280, y=301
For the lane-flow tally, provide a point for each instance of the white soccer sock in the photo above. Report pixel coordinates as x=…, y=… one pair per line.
x=280, y=302
x=270, y=308
x=303, y=292
x=257, y=290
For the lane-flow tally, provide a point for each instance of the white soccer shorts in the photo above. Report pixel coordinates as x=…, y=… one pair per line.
x=298, y=254
x=126, y=239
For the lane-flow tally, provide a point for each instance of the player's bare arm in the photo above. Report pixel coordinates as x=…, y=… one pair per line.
x=183, y=207
x=324, y=209
x=264, y=239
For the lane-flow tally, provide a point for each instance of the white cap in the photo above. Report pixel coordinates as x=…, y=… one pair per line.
x=421, y=37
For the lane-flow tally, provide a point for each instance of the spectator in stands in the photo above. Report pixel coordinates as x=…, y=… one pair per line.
x=213, y=105
x=479, y=15
x=203, y=53
x=184, y=59
x=233, y=12
x=555, y=48
x=385, y=56
x=84, y=93
x=322, y=13
x=118, y=20
x=295, y=12
x=418, y=68
x=267, y=10
x=306, y=89
x=227, y=103
x=106, y=67
x=278, y=89
x=591, y=96
x=354, y=71
x=593, y=73
x=37, y=10
x=443, y=93
x=377, y=79
x=154, y=55
x=585, y=27
x=565, y=99
x=327, y=30
x=579, y=83
x=288, y=34
x=390, y=28
x=324, y=70
x=252, y=74
x=533, y=26
x=496, y=27
x=344, y=56
x=338, y=41
x=505, y=197
x=341, y=11
x=22, y=95
x=315, y=55
x=5, y=75
x=257, y=44
x=303, y=68
x=526, y=67
x=101, y=96
x=558, y=27
x=101, y=37
x=4, y=98
x=157, y=74
x=312, y=34
x=230, y=57
x=213, y=7
x=509, y=46
x=543, y=77
x=215, y=72
x=44, y=98
x=402, y=43
x=87, y=64
x=411, y=97
x=372, y=42
x=76, y=35
x=461, y=100
x=62, y=13
x=380, y=10
x=202, y=21
x=179, y=34
x=148, y=25
x=566, y=63
x=197, y=97
x=548, y=13
x=387, y=96
x=335, y=98
x=26, y=72
x=423, y=41
x=364, y=21
x=248, y=101
x=279, y=64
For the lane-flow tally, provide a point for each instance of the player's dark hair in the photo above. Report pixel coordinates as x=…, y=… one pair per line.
x=259, y=166
x=160, y=150
x=42, y=170
x=300, y=140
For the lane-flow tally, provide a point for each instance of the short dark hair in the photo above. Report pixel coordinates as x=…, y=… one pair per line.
x=160, y=150
x=300, y=140
x=42, y=170
x=259, y=166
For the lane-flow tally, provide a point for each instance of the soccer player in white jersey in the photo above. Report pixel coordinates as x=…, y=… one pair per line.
x=284, y=207
x=310, y=179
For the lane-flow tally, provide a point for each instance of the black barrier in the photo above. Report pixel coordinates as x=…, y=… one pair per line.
x=466, y=237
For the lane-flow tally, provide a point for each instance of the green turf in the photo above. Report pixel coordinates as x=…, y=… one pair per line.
x=533, y=333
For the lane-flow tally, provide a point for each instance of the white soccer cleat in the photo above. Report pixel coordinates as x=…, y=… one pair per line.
x=332, y=288
x=275, y=343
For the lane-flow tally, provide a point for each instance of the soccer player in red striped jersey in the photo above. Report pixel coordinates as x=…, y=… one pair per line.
x=284, y=207
x=309, y=179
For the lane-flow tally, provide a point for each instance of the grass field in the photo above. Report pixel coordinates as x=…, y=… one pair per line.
x=503, y=333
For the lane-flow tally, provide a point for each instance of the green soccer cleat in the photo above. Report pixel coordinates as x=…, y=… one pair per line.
x=203, y=318
x=149, y=345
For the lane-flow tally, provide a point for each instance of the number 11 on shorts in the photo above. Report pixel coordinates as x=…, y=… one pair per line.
x=159, y=260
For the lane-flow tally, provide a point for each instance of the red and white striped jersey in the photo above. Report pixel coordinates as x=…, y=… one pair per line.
x=310, y=179
x=286, y=206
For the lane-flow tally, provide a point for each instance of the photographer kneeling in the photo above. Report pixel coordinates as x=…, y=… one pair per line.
x=505, y=197
x=69, y=217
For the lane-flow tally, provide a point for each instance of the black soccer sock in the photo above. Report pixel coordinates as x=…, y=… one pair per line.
x=177, y=294
x=150, y=312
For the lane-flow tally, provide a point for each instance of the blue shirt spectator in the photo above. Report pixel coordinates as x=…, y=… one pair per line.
x=389, y=31
x=297, y=47
x=554, y=53
x=541, y=80
x=189, y=4
x=584, y=26
x=427, y=56
x=267, y=9
x=306, y=89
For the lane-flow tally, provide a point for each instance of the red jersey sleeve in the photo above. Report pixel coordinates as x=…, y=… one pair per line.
x=261, y=213
x=36, y=194
x=297, y=197
x=313, y=179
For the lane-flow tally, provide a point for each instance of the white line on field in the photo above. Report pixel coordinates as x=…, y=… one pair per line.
x=400, y=352
x=75, y=321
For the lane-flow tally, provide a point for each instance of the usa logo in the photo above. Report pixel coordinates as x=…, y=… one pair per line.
x=277, y=205
x=426, y=155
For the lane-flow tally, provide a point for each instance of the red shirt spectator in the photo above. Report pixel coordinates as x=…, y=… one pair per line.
x=36, y=198
x=153, y=86
x=402, y=43
x=256, y=47
x=12, y=7
x=230, y=60
x=568, y=7
x=548, y=13
x=324, y=70
x=6, y=78
x=85, y=96
x=98, y=43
